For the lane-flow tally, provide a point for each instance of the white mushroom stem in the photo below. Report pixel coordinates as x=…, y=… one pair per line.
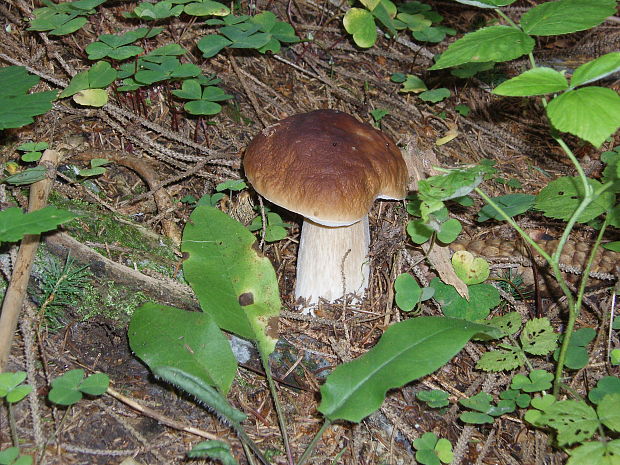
x=332, y=261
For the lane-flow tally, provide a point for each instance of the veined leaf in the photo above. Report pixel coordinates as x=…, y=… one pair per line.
x=361, y=25
x=15, y=224
x=566, y=16
x=537, y=81
x=596, y=69
x=407, y=350
x=233, y=283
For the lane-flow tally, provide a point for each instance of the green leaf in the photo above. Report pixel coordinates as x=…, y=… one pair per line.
x=65, y=388
x=231, y=185
x=561, y=197
x=577, y=355
x=202, y=107
x=475, y=418
x=165, y=336
x=487, y=3
x=575, y=421
x=206, y=8
x=591, y=113
x=98, y=76
x=201, y=391
x=450, y=230
x=462, y=109
x=471, y=270
x=361, y=25
x=435, y=398
x=233, y=283
x=408, y=292
x=467, y=70
x=595, y=453
x=507, y=359
x=11, y=387
x=494, y=43
x=14, y=223
x=606, y=385
x=33, y=146
x=538, y=337
x=435, y=95
x=419, y=231
x=28, y=176
x=482, y=298
x=538, y=380
x=508, y=324
x=91, y=97
x=407, y=350
x=609, y=412
x=218, y=450
x=596, y=69
x=190, y=90
x=433, y=34
x=512, y=204
x=537, y=81
x=95, y=385
x=566, y=16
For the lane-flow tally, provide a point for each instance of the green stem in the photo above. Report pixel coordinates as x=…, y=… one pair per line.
x=251, y=444
x=306, y=455
x=12, y=425
x=573, y=311
x=276, y=402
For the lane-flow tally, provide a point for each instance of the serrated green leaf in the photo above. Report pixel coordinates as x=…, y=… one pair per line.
x=233, y=283
x=406, y=351
x=494, y=43
x=591, y=113
x=566, y=16
x=609, y=412
x=537, y=81
x=561, y=197
x=538, y=337
x=14, y=223
x=165, y=336
x=575, y=421
x=361, y=25
x=595, y=453
x=596, y=69
x=512, y=204
x=482, y=297
x=408, y=292
x=509, y=323
x=500, y=360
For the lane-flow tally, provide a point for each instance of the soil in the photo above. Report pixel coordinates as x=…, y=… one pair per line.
x=189, y=157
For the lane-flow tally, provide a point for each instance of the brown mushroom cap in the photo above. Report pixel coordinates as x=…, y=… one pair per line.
x=326, y=166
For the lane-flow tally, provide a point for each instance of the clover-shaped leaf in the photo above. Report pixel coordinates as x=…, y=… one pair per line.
x=472, y=270
x=11, y=387
x=435, y=398
x=432, y=451
x=519, y=398
x=605, y=385
x=577, y=355
x=538, y=380
x=68, y=388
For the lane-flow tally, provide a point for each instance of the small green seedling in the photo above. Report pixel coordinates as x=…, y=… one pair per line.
x=96, y=168
x=17, y=106
x=11, y=387
x=521, y=399
x=410, y=83
x=33, y=150
x=378, y=114
x=276, y=229
x=538, y=380
x=485, y=411
x=69, y=388
x=88, y=87
x=433, y=451
x=11, y=456
x=166, y=69
x=202, y=100
x=213, y=449
x=462, y=109
x=118, y=46
x=435, y=398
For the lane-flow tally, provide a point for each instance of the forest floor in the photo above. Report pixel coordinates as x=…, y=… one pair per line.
x=122, y=222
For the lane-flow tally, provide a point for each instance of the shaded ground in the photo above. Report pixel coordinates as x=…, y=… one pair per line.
x=328, y=72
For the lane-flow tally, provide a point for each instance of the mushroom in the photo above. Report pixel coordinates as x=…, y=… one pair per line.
x=329, y=168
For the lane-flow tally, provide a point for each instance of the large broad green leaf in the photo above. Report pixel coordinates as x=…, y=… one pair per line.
x=566, y=16
x=16, y=81
x=233, y=282
x=407, y=350
x=487, y=3
x=14, y=223
x=495, y=43
x=190, y=341
x=482, y=298
x=596, y=69
x=591, y=113
x=537, y=81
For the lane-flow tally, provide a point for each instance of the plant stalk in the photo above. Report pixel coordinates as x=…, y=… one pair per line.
x=306, y=455
x=278, y=406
